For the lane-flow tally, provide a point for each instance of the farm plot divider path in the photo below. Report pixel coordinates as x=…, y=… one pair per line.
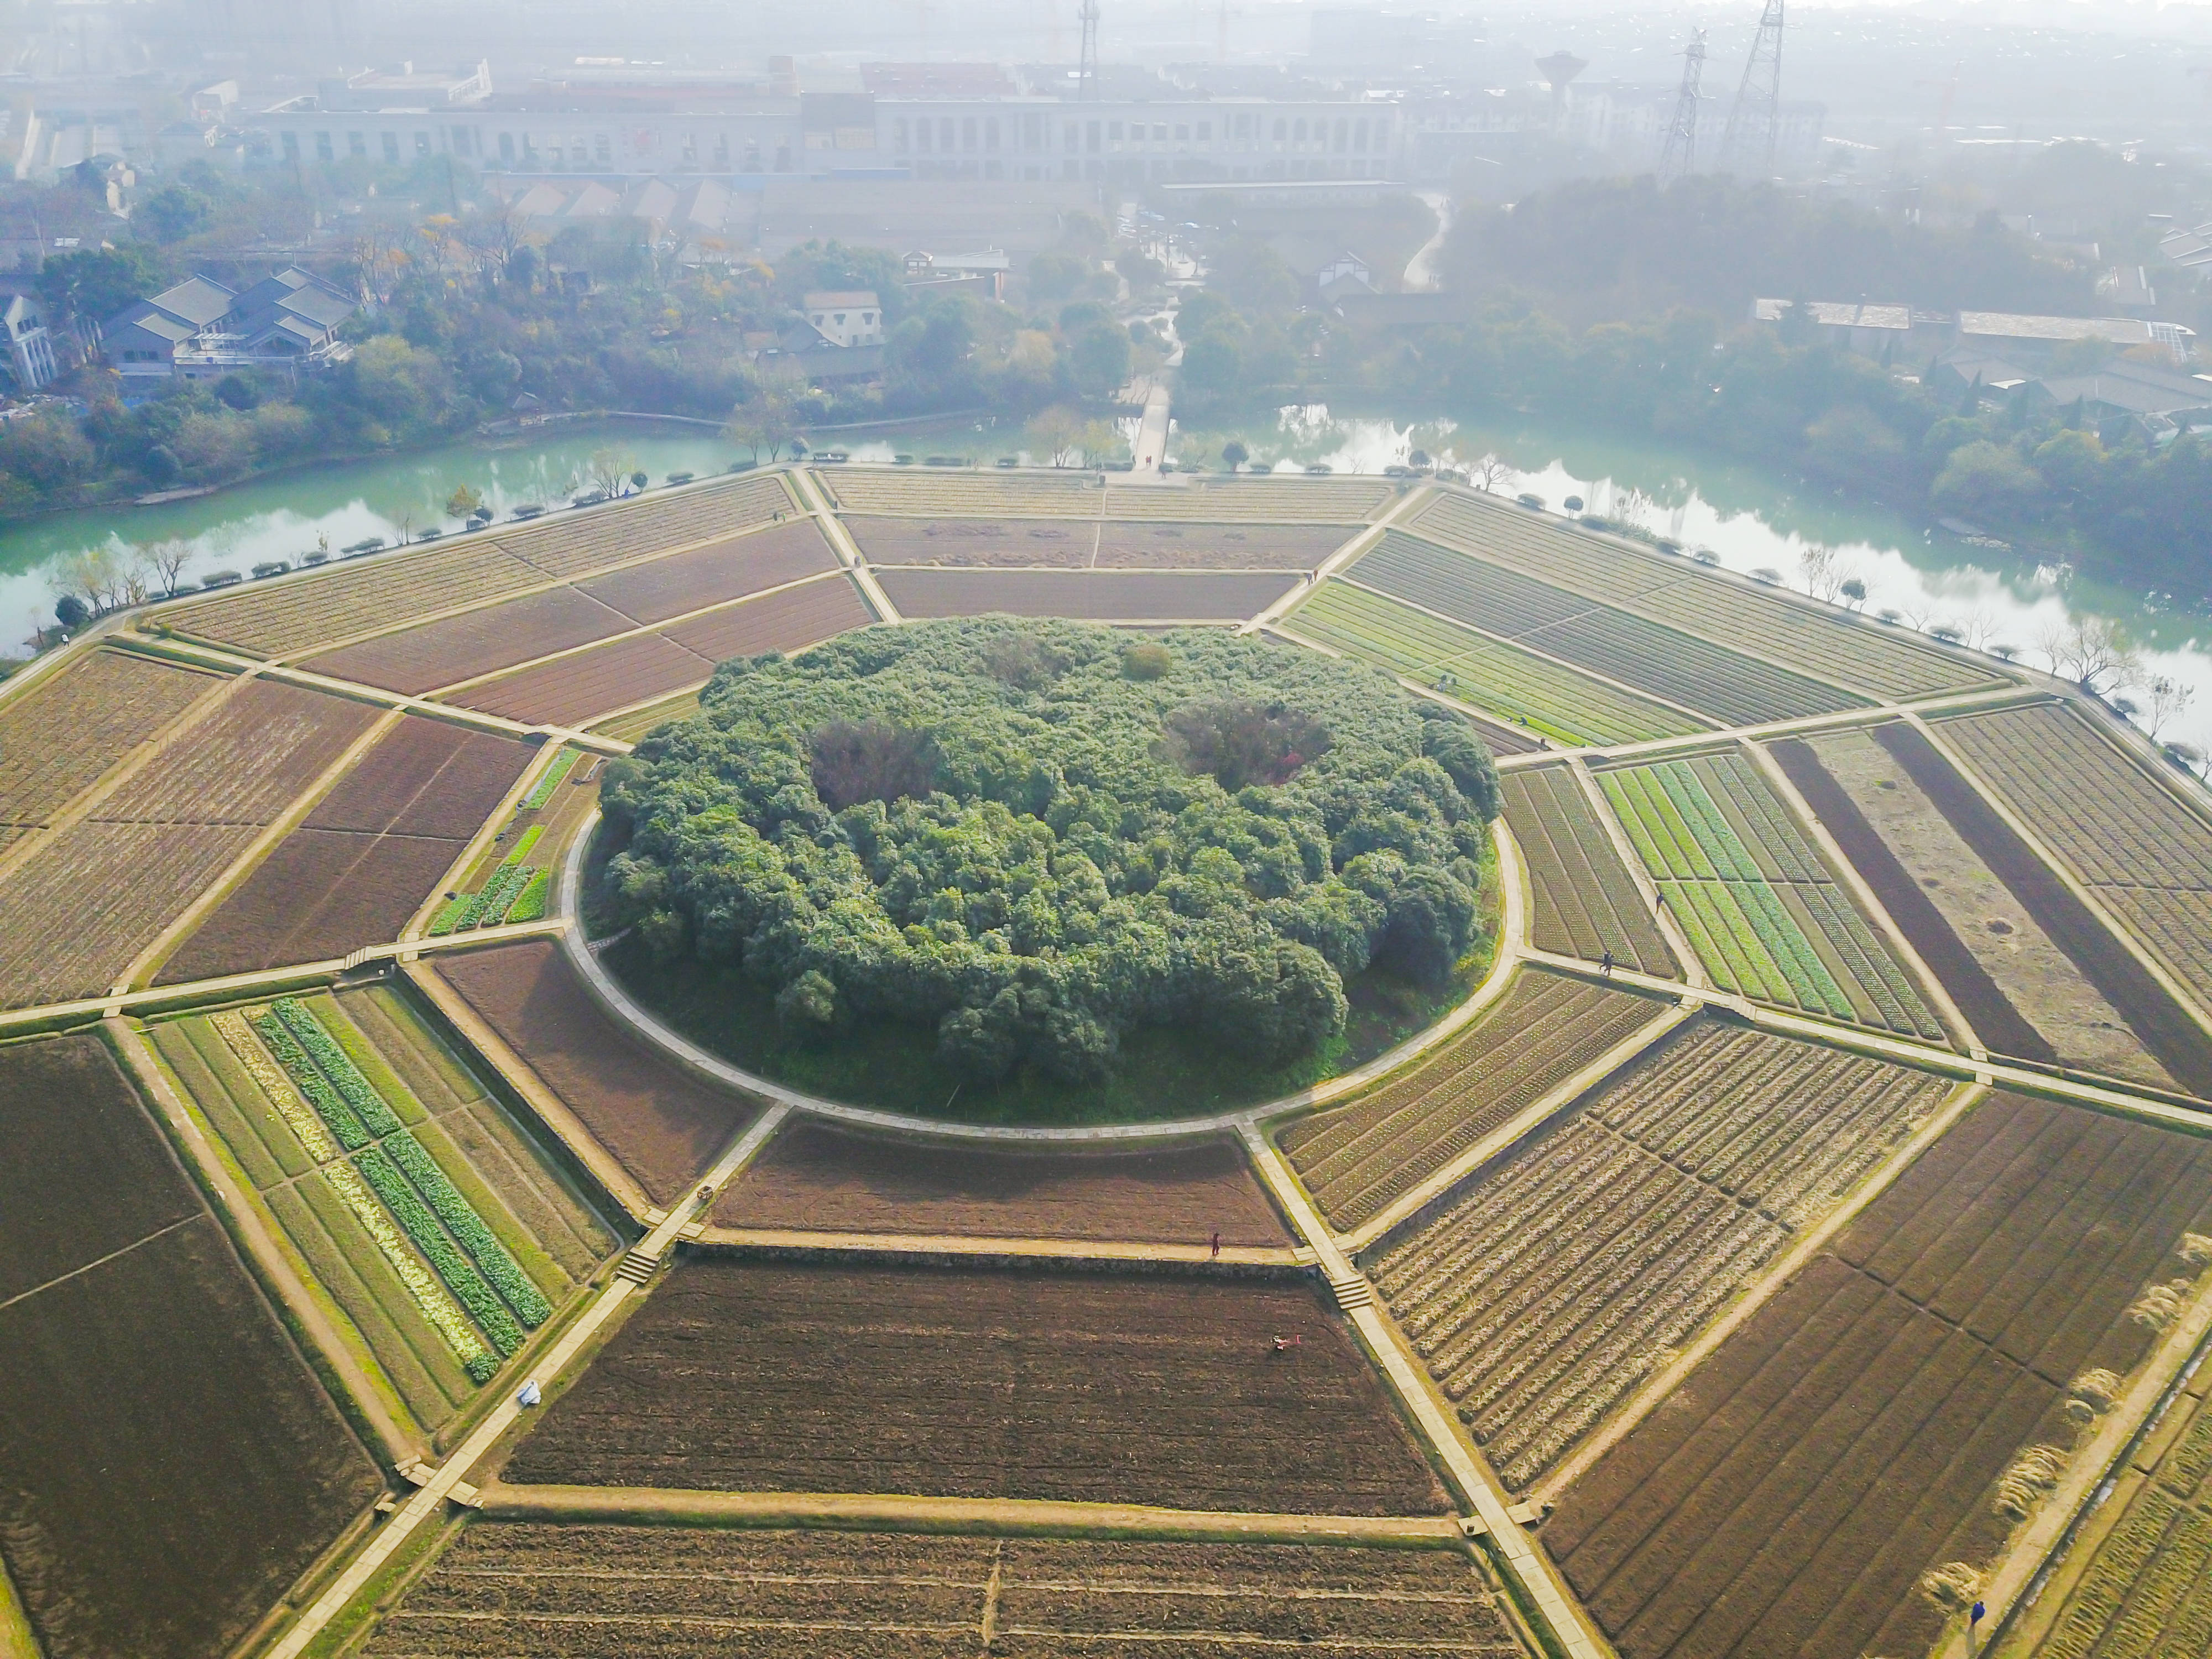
x=1767, y=916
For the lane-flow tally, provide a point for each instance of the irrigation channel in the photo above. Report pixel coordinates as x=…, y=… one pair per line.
x=1747, y=519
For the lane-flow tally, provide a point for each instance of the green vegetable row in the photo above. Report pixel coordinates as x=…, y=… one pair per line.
x=524, y=842
x=466, y=1283
x=545, y=785
x=529, y=905
x=454, y=1210
x=356, y=1114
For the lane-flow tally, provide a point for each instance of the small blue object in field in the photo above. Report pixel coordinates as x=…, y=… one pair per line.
x=529, y=1397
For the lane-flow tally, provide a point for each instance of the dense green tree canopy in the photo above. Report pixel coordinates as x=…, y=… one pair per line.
x=1033, y=837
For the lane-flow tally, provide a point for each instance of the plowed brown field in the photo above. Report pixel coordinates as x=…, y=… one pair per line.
x=62, y=734
x=738, y=1375
x=82, y=906
x=661, y=1124
x=364, y=860
x=1852, y=1436
x=168, y=1464
x=711, y=575
x=680, y=1593
x=816, y=1177
x=1091, y=595
x=475, y=642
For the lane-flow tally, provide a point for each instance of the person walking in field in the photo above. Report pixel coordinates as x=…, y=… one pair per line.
x=1215, y=1255
x=1605, y=965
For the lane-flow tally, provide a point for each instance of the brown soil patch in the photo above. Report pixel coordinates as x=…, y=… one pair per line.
x=59, y=737
x=574, y=690
x=738, y=1375
x=1059, y=543
x=320, y=895
x=1066, y=544
x=475, y=642
x=168, y=1464
x=789, y=621
x=1848, y=1437
x=688, y=1593
x=1084, y=595
x=425, y=777
x=2174, y=1040
x=711, y=575
x=1995, y=1020
x=83, y=906
x=817, y=1177
x=661, y=1124
x=365, y=859
x=1587, y=904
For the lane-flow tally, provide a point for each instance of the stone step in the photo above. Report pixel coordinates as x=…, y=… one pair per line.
x=637, y=1266
x=1352, y=1292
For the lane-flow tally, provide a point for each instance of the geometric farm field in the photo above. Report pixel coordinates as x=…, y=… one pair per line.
x=1545, y=1294
x=1843, y=1472
x=441, y=1233
x=168, y=1463
x=1764, y=912
x=823, y=1377
x=678, y=1592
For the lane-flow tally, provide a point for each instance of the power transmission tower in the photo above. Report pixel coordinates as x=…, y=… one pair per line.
x=1754, y=124
x=1680, y=154
x=1087, y=77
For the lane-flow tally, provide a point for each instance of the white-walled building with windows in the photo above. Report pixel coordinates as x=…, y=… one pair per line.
x=732, y=128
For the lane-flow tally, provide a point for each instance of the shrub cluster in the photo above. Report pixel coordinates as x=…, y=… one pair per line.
x=1033, y=839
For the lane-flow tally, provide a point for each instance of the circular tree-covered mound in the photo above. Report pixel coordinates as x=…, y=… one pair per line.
x=1031, y=843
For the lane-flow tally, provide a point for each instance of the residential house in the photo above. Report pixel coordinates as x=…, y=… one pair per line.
x=30, y=355
x=845, y=317
x=202, y=330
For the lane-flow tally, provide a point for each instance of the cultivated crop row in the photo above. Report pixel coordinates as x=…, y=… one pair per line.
x=475, y=642
x=1255, y=501
x=563, y=546
x=1664, y=662
x=513, y=886
x=66, y=732
x=469, y=1261
x=293, y=616
x=1871, y=659
x=1586, y=905
x=668, y=1590
x=1761, y=909
x=964, y=494
x=1357, y=1159
x=1843, y=1474
x=1546, y=1293
x=677, y=584
x=1569, y=707
x=83, y=906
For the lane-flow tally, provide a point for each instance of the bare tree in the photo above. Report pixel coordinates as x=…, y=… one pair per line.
x=1821, y=569
x=607, y=470
x=1489, y=472
x=166, y=561
x=1058, y=433
x=2093, y=652
x=745, y=428
x=2169, y=697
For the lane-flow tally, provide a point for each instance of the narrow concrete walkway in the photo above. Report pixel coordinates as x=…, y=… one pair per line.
x=983, y=1246
x=1151, y=441
x=998, y=1516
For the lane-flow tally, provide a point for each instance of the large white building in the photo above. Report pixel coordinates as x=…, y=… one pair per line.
x=702, y=124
